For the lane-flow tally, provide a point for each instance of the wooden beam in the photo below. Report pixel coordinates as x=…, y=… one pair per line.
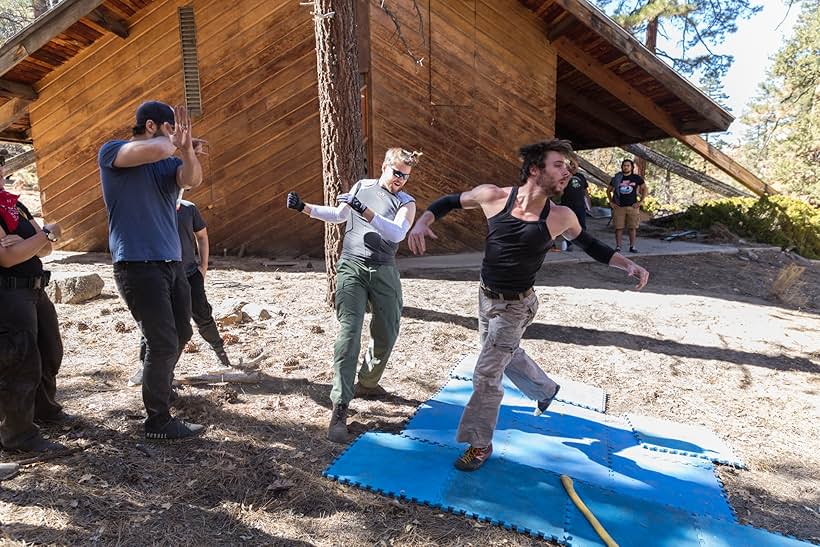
x=636, y=52
x=608, y=80
x=11, y=112
x=106, y=21
x=16, y=90
x=42, y=30
x=22, y=137
x=598, y=175
x=641, y=104
x=665, y=162
x=727, y=164
x=577, y=99
x=20, y=161
x=559, y=29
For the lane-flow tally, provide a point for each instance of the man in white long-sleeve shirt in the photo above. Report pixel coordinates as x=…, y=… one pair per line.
x=378, y=216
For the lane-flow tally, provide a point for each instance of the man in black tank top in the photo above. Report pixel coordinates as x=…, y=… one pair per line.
x=522, y=222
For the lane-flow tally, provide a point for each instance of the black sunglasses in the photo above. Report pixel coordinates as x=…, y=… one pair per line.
x=399, y=175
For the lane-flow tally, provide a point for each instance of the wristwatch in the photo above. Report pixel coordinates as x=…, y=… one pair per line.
x=49, y=235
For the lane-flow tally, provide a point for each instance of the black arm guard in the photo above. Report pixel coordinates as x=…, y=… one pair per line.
x=594, y=248
x=444, y=205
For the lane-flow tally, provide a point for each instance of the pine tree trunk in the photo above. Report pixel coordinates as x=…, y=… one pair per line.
x=343, y=161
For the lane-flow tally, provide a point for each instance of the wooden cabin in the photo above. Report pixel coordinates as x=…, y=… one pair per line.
x=464, y=81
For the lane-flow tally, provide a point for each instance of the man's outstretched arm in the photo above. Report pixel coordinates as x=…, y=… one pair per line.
x=471, y=199
x=600, y=251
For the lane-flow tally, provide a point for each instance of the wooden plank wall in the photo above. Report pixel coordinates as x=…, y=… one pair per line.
x=258, y=78
x=467, y=82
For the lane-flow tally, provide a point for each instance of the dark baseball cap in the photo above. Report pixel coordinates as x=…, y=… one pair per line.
x=154, y=110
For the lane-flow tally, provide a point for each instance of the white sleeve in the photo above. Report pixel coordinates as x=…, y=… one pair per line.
x=333, y=215
x=392, y=230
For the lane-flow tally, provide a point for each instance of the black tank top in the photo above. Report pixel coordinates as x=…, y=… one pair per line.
x=515, y=249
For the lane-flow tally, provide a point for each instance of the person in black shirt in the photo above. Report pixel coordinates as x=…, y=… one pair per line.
x=626, y=191
x=31, y=349
x=576, y=195
x=522, y=222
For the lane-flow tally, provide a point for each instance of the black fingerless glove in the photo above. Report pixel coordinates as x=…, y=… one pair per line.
x=295, y=202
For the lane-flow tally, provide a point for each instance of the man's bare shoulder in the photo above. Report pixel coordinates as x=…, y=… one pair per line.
x=491, y=192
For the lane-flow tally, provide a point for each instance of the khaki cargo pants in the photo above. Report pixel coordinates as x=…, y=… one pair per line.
x=501, y=324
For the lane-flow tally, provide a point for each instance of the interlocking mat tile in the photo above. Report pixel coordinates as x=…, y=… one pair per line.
x=572, y=392
x=641, y=496
x=675, y=438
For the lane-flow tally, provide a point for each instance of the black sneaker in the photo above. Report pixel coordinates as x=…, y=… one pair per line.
x=544, y=404
x=60, y=418
x=473, y=458
x=174, y=430
x=223, y=358
x=136, y=379
x=8, y=470
x=633, y=250
x=37, y=444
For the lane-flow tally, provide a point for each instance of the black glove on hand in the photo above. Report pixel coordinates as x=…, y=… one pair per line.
x=353, y=201
x=295, y=202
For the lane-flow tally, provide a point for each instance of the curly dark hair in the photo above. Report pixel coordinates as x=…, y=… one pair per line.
x=534, y=154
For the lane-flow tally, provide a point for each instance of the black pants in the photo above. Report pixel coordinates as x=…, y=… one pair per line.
x=31, y=352
x=202, y=314
x=159, y=297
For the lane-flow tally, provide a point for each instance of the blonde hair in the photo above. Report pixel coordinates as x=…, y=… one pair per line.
x=400, y=155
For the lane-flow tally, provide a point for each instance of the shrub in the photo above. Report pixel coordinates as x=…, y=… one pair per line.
x=777, y=220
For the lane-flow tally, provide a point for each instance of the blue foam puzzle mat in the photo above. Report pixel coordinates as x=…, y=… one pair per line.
x=584, y=444
x=718, y=533
x=572, y=392
x=675, y=438
x=500, y=493
x=528, y=500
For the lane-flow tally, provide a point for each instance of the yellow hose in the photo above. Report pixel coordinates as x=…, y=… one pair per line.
x=579, y=503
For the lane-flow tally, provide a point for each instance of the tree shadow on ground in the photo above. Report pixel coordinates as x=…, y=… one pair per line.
x=583, y=336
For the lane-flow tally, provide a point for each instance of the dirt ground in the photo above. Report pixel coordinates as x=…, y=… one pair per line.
x=707, y=342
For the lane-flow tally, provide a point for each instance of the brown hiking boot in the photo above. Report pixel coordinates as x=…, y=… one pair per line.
x=473, y=458
x=337, y=432
x=364, y=392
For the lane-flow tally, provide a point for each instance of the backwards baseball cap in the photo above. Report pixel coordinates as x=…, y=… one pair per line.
x=156, y=111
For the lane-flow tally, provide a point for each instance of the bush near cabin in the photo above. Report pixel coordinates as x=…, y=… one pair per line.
x=778, y=220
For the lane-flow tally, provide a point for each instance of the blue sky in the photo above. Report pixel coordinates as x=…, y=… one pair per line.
x=753, y=46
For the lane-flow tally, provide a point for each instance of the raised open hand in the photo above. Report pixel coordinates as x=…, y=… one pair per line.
x=180, y=132
x=415, y=239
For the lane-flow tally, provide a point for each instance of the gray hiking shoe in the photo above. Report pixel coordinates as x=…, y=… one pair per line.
x=337, y=432
x=136, y=379
x=544, y=404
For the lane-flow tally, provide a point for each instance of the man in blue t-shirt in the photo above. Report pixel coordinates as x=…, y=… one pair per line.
x=141, y=179
x=193, y=235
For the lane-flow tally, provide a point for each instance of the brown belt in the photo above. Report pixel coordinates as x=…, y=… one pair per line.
x=500, y=295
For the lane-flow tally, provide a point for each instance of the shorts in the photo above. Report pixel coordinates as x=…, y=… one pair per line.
x=628, y=217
